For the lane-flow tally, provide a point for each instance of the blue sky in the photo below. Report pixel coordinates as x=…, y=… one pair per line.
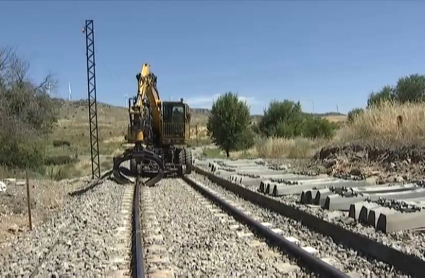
x=330, y=53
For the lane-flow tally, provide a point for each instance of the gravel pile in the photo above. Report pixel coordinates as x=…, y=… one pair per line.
x=350, y=261
x=74, y=242
x=199, y=245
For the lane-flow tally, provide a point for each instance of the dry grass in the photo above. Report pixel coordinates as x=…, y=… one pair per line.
x=73, y=126
x=250, y=153
x=378, y=126
x=273, y=148
x=288, y=148
x=201, y=138
x=202, y=131
x=336, y=118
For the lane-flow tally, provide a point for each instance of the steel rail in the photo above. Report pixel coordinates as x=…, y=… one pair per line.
x=406, y=263
x=306, y=259
x=138, y=263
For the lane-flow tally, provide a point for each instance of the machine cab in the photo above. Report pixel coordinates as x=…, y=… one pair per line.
x=175, y=122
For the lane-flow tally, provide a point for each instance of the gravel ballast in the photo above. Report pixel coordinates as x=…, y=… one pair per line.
x=350, y=261
x=200, y=245
x=76, y=241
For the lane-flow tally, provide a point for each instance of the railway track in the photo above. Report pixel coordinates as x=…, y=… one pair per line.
x=201, y=225
x=381, y=253
x=149, y=243
x=210, y=227
x=297, y=250
x=274, y=236
x=315, y=249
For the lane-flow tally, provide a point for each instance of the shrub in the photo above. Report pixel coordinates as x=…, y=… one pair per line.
x=282, y=119
x=410, y=89
x=315, y=127
x=353, y=114
x=19, y=150
x=387, y=93
x=59, y=143
x=285, y=119
x=60, y=160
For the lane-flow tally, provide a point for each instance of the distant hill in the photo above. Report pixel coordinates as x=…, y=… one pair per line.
x=78, y=110
x=328, y=114
x=199, y=115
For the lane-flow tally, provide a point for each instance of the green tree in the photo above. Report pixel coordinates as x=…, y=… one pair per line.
x=410, y=89
x=27, y=113
x=282, y=119
x=228, y=123
x=353, y=114
x=387, y=93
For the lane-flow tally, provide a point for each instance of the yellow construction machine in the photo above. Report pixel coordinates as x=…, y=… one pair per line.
x=158, y=132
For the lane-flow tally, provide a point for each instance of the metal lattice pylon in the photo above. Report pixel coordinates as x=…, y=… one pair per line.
x=91, y=87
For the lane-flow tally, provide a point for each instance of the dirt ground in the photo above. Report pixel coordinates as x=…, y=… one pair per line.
x=354, y=161
x=46, y=197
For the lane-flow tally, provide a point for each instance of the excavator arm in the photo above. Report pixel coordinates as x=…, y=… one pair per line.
x=146, y=94
x=147, y=89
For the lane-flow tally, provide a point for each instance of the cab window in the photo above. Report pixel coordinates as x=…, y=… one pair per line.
x=178, y=114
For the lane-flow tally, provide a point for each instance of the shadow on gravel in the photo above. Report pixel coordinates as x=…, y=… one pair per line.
x=91, y=186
